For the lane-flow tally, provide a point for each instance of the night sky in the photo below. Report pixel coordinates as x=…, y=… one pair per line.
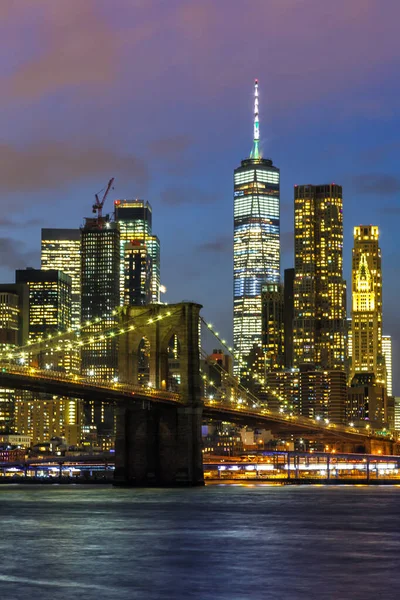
x=158, y=94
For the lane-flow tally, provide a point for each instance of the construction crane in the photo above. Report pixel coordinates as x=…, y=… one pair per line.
x=98, y=205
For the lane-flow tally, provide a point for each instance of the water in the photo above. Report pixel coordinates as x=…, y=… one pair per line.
x=219, y=542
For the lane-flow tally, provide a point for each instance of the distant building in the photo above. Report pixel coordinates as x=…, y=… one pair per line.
x=100, y=301
x=137, y=274
x=387, y=353
x=134, y=221
x=319, y=288
x=61, y=251
x=100, y=295
x=272, y=326
x=14, y=314
x=288, y=316
x=367, y=401
x=367, y=351
x=49, y=313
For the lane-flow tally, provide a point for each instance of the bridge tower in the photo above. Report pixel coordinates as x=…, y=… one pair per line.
x=160, y=443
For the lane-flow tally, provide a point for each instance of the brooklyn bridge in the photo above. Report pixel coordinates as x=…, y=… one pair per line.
x=158, y=431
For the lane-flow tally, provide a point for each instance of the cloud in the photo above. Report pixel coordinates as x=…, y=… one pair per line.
x=170, y=147
x=9, y=223
x=15, y=255
x=179, y=196
x=76, y=47
x=383, y=184
x=50, y=165
x=220, y=245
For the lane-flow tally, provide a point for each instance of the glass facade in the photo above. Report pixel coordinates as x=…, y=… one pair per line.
x=256, y=249
x=50, y=310
x=137, y=274
x=134, y=219
x=61, y=250
x=319, y=326
x=100, y=295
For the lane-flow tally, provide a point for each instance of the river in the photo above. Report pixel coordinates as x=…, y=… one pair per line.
x=221, y=542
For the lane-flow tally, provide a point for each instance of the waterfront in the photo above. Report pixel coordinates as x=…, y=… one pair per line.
x=220, y=542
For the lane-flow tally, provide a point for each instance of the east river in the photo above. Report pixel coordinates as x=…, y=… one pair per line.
x=230, y=542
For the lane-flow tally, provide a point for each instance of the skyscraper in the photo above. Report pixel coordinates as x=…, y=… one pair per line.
x=256, y=251
x=100, y=294
x=387, y=353
x=367, y=354
x=49, y=301
x=272, y=326
x=319, y=329
x=61, y=250
x=134, y=219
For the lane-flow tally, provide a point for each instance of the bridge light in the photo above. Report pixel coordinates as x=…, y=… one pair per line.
x=317, y=418
x=351, y=424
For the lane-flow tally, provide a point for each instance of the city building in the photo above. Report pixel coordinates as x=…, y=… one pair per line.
x=137, y=274
x=387, y=354
x=100, y=301
x=397, y=414
x=319, y=329
x=272, y=326
x=367, y=351
x=50, y=306
x=256, y=253
x=61, y=251
x=100, y=295
x=134, y=219
x=14, y=315
x=288, y=316
x=367, y=402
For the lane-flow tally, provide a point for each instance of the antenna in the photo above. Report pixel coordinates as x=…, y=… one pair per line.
x=255, y=153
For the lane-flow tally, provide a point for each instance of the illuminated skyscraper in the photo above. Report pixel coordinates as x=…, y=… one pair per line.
x=256, y=242
x=319, y=329
x=387, y=353
x=367, y=354
x=100, y=295
x=61, y=250
x=134, y=219
x=49, y=301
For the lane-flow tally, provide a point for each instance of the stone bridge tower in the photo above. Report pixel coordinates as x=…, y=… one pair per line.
x=159, y=443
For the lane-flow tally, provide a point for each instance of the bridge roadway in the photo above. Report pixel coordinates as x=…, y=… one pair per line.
x=75, y=386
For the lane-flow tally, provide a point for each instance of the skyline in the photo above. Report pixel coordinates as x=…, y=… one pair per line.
x=198, y=123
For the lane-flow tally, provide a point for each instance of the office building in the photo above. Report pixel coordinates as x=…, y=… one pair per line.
x=137, y=274
x=272, y=326
x=100, y=295
x=49, y=313
x=14, y=315
x=288, y=316
x=387, y=354
x=256, y=252
x=319, y=329
x=367, y=352
x=367, y=401
x=134, y=220
x=61, y=251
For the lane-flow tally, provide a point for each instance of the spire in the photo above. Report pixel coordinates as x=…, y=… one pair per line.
x=255, y=152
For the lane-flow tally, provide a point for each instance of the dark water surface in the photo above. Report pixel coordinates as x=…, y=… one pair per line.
x=220, y=542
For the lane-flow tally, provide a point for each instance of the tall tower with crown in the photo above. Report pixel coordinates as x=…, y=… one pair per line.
x=256, y=246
